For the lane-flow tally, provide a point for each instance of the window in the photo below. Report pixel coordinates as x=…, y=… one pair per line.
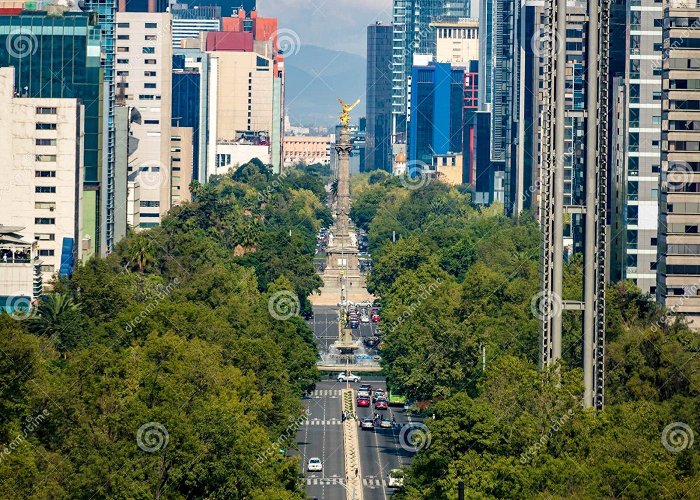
x=150, y=73
x=655, y=144
x=656, y=120
x=658, y=47
x=45, y=205
x=150, y=38
x=122, y=61
x=45, y=126
x=46, y=253
x=45, y=158
x=656, y=95
x=44, y=236
x=122, y=85
x=151, y=122
x=149, y=50
x=122, y=37
x=45, y=189
x=45, y=173
x=150, y=203
x=151, y=25
x=122, y=73
x=652, y=266
x=658, y=23
x=47, y=269
x=147, y=97
x=122, y=49
x=122, y=25
x=149, y=61
x=654, y=242
x=45, y=142
x=149, y=85
x=44, y=220
x=45, y=111
x=655, y=169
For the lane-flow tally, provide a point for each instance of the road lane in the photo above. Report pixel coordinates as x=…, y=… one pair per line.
x=322, y=436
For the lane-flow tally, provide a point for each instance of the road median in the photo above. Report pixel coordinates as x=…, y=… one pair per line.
x=351, y=442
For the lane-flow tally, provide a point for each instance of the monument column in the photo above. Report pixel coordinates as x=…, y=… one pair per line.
x=344, y=149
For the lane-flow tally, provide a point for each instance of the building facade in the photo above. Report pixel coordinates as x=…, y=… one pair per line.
x=144, y=82
x=41, y=72
x=379, y=61
x=307, y=150
x=679, y=212
x=457, y=42
x=41, y=173
x=638, y=154
x=189, y=22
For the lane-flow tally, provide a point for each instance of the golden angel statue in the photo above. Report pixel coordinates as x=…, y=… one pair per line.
x=345, y=115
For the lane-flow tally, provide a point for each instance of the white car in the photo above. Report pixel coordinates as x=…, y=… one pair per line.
x=314, y=465
x=362, y=394
x=342, y=377
x=364, y=319
x=395, y=478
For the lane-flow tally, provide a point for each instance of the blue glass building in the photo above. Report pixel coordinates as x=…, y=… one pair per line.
x=436, y=124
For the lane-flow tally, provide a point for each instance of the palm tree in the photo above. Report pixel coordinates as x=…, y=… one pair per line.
x=51, y=311
x=141, y=252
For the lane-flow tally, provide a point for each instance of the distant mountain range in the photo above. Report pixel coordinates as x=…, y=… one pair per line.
x=316, y=77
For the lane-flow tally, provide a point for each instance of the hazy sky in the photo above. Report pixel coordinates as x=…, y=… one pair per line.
x=335, y=24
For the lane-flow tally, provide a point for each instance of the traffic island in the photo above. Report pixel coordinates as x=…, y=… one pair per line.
x=351, y=448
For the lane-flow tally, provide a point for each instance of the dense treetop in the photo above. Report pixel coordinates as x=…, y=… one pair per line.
x=159, y=370
x=460, y=281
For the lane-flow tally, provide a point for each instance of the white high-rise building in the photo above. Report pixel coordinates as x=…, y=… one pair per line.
x=144, y=82
x=41, y=173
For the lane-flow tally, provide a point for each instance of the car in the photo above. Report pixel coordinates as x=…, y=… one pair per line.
x=366, y=387
x=363, y=401
x=363, y=393
x=314, y=465
x=365, y=319
x=354, y=325
x=378, y=394
x=395, y=478
x=375, y=318
x=307, y=315
x=367, y=424
x=342, y=377
x=385, y=423
x=381, y=404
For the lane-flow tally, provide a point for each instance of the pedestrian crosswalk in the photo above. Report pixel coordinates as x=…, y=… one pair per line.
x=372, y=482
x=311, y=481
x=318, y=421
x=319, y=393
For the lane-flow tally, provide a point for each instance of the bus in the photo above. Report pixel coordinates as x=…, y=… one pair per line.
x=396, y=399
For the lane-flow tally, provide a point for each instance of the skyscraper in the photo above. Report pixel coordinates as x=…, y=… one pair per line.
x=413, y=35
x=62, y=60
x=639, y=156
x=379, y=60
x=679, y=222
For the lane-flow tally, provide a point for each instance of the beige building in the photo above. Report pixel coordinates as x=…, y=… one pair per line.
x=307, y=150
x=181, y=163
x=241, y=103
x=678, y=269
x=41, y=172
x=457, y=42
x=144, y=82
x=448, y=168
